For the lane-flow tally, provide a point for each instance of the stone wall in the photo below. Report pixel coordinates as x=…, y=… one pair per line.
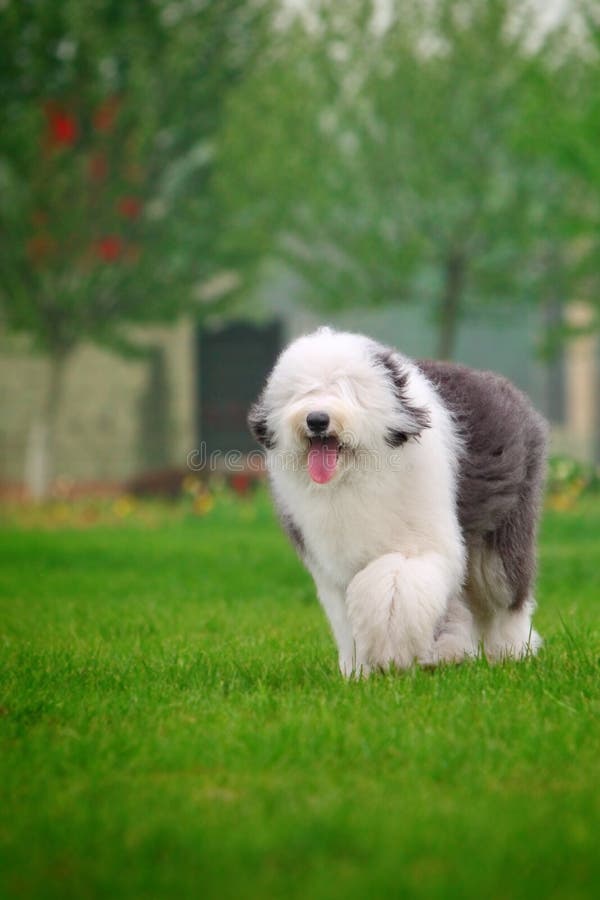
x=100, y=433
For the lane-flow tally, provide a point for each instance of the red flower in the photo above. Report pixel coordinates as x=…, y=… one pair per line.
x=109, y=248
x=129, y=207
x=105, y=115
x=62, y=126
x=98, y=167
x=240, y=483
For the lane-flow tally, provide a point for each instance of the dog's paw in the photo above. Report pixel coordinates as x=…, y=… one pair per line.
x=456, y=637
x=449, y=648
x=393, y=605
x=510, y=635
x=350, y=668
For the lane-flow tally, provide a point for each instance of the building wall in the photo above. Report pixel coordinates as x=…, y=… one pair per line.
x=100, y=433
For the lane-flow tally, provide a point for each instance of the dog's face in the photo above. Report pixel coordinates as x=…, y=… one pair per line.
x=331, y=398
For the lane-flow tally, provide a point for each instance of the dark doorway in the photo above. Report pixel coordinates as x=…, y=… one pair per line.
x=234, y=362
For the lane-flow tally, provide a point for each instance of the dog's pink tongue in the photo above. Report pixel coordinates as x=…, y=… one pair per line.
x=322, y=460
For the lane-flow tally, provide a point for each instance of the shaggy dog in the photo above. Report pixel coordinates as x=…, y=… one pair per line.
x=411, y=491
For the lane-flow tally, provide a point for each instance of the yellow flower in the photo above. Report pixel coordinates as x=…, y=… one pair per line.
x=191, y=485
x=123, y=506
x=203, y=503
x=60, y=512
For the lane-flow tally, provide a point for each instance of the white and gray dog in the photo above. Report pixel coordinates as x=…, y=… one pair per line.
x=411, y=491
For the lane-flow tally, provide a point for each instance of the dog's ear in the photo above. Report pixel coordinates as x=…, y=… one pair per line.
x=414, y=419
x=257, y=423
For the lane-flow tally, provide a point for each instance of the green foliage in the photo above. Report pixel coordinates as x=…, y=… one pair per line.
x=112, y=116
x=563, y=118
x=172, y=723
x=400, y=162
x=443, y=154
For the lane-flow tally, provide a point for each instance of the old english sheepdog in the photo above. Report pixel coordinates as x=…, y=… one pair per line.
x=411, y=491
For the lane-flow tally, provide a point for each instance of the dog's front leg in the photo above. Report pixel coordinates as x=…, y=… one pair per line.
x=333, y=602
x=394, y=604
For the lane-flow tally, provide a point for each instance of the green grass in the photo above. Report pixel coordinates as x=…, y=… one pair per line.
x=173, y=724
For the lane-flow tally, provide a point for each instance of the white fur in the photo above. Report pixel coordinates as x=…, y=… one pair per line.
x=382, y=538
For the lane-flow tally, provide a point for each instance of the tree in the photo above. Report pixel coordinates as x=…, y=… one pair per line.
x=563, y=118
x=387, y=161
x=107, y=154
x=564, y=131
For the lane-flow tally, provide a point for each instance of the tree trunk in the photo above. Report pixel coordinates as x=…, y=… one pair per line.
x=39, y=459
x=454, y=279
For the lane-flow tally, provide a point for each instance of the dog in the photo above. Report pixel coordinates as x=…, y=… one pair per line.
x=411, y=491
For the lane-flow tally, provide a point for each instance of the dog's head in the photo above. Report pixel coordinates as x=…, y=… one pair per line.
x=331, y=398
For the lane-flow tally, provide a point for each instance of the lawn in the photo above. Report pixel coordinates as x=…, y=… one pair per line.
x=172, y=724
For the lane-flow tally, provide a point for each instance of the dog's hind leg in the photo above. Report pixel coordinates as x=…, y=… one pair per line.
x=502, y=605
x=394, y=605
x=502, y=562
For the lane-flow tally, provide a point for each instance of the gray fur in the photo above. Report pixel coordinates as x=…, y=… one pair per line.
x=257, y=423
x=502, y=468
x=398, y=377
x=292, y=530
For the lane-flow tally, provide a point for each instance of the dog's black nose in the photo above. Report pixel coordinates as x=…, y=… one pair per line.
x=318, y=422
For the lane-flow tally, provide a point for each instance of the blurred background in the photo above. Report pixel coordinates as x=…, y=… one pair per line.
x=185, y=185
